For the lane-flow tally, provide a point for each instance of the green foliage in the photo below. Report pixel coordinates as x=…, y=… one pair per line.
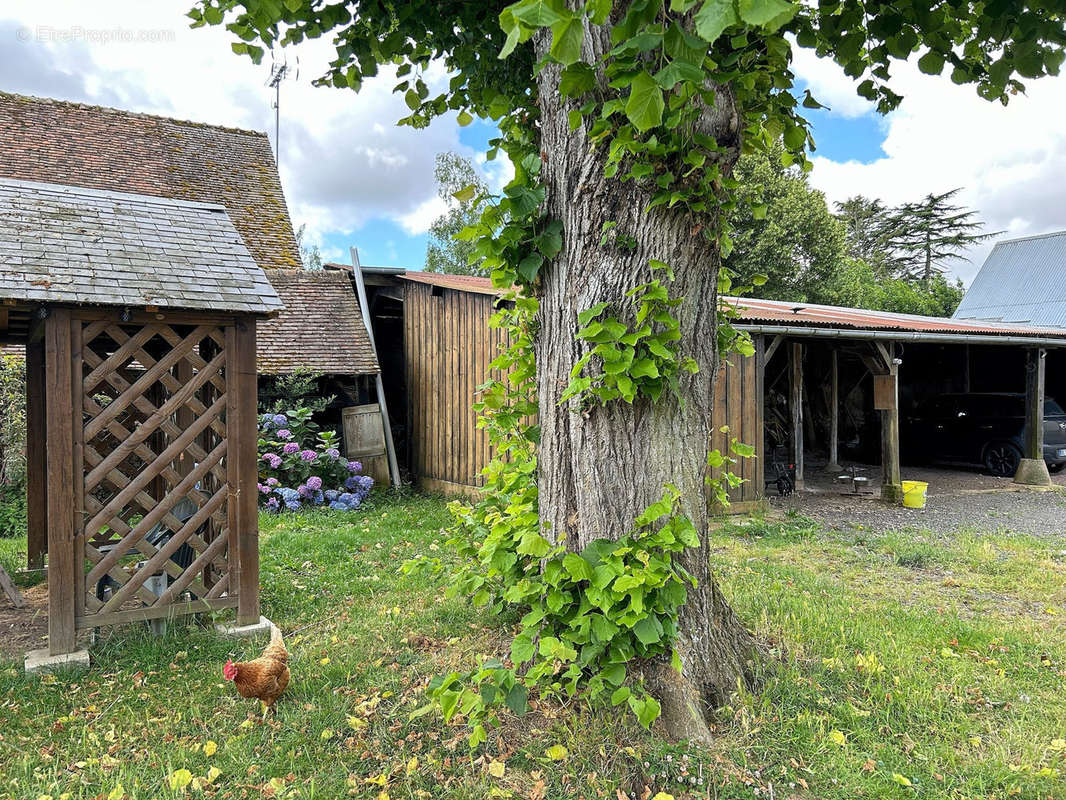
x=627, y=361
x=278, y=393
x=310, y=254
x=12, y=419
x=585, y=616
x=460, y=186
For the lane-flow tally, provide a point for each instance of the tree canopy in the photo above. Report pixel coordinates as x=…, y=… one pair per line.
x=460, y=186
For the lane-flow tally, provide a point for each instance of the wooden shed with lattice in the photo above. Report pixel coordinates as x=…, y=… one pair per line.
x=138, y=314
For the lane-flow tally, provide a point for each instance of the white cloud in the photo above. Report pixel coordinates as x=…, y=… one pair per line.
x=1009, y=161
x=419, y=220
x=343, y=160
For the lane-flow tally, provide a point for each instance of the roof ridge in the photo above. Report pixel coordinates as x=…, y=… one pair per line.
x=1031, y=237
x=126, y=112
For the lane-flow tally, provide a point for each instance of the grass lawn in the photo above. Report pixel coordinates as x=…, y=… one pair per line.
x=911, y=665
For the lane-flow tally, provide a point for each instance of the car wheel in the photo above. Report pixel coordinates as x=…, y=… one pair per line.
x=1053, y=468
x=1002, y=459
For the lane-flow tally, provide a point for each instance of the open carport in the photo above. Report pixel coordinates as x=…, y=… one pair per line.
x=842, y=383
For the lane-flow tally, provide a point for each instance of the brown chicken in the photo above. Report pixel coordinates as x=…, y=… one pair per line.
x=266, y=677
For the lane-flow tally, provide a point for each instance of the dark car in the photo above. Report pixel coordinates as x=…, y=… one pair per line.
x=986, y=429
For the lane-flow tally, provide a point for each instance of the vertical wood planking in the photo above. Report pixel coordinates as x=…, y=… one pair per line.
x=796, y=408
x=736, y=416
x=61, y=631
x=242, y=448
x=36, y=458
x=78, y=453
x=748, y=413
x=759, y=403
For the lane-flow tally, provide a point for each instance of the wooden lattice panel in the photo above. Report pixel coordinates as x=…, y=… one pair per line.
x=153, y=494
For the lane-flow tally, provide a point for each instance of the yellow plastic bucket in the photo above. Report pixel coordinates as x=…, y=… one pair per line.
x=914, y=493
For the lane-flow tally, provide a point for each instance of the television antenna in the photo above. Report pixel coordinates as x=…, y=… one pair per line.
x=280, y=71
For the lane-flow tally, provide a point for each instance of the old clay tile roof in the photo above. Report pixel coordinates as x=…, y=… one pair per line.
x=321, y=328
x=69, y=244
x=52, y=141
x=464, y=283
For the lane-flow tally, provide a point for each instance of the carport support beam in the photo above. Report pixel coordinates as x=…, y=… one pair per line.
x=1032, y=470
x=834, y=415
x=891, y=482
x=796, y=402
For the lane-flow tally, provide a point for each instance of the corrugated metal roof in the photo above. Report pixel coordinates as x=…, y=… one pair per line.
x=1021, y=281
x=465, y=283
x=777, y=312
x=69, y=244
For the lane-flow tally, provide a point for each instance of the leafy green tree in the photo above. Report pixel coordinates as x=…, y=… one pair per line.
x=310, y=254
x=924, y=237
x=445, y=252
x=624, y=121
x=866, y=225
x=782, y=229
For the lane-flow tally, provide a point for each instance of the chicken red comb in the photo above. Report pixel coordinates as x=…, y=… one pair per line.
x=229, y=671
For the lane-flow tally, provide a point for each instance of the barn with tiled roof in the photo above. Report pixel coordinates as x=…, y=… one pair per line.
x=57, y=142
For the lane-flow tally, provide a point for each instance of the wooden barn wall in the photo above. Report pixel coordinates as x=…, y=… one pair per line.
x=448, y=346
x=738, y=405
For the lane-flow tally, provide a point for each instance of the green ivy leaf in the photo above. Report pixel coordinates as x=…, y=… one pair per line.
x=769, y=14
x=539, y=13
x=517, y=699
x=522, y=648
x=576, y=79
x=932, y=63
x=713, y=18
x=648, y=630
x=577, y=567
x=567, y=35
x=645, y=105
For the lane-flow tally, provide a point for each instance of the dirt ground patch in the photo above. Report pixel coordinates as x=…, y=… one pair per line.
x=957, y=500
x=23, y=629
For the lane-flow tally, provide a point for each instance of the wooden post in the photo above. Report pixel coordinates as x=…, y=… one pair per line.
x=241, y=473
x=36, y=466
x=796, y=387
x=760, y=417
x=60, y=454
x=887, y=402
x=834, y=414
x=1032, y=470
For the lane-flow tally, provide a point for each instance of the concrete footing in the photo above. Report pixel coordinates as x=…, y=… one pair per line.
x=1032, y=472
x=234, y=631
x=39, y=662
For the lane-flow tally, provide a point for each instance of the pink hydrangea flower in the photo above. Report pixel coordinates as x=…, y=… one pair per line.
x=290, y=448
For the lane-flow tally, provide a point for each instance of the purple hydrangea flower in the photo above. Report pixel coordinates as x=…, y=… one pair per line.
x=354, y=466
x=273, y=459
x=304, y=490
x=273, y=482
x=263, y=488
x=314, y=483
x=272, y=504
x=307, y=455
x=333, y=453
x=366, y=482
x=352, y=482
x=280, y=419
x=290, y=448
x=284, y=433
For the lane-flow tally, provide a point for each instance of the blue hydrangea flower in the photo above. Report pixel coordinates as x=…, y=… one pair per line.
x=333, y=453
x=280, y=419
x=332, y=494
x=355, y=466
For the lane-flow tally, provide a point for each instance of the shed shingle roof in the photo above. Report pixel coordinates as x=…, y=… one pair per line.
x=71, y=244
x=321, y=328
x=53, y=141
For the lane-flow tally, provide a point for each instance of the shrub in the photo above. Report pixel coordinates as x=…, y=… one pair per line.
x=302, y=467
x=12, y=420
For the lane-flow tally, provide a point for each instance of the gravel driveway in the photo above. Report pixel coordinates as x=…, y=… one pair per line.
x=956, y=500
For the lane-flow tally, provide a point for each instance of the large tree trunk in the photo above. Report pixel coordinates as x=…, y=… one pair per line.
x=601, y=466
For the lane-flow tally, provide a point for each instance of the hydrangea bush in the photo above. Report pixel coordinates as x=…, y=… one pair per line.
x=302, y=467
